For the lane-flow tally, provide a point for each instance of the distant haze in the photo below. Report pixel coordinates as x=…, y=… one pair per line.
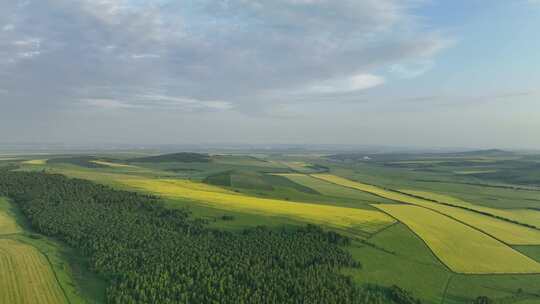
x=402, y=73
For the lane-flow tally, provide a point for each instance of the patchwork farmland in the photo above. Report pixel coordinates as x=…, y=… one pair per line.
x=442, y=241
x=462, y=248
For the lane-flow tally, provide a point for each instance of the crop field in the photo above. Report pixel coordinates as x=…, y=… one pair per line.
x=26, y=276
x=526, y=216
x=8, y=224
x=509, y=233
x=35, y=162
x=339, y=217
x=111, y=164
x=462, y=248
x=388, y=194
x=331, y=189
x=248, y=161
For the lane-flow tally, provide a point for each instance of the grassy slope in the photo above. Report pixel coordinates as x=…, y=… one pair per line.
x=399, y=257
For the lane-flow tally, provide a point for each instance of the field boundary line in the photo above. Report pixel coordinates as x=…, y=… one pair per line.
x=504, y=219
x=52, y=268
x=412, y=196
x=466, y=273
x=384, y=228
x=518, y=188
x=446, y=288
x=423, y=241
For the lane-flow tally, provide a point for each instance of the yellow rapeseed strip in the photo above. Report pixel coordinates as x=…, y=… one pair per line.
x=339, y=217
x=507, y=232
x=26, y=276
x=462, y=248
x=35, y=162
x=525, y=216
x=109, y=164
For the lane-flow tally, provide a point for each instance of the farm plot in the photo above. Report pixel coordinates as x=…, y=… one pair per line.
x=339, y=217
x=35, y=162
x=388, y=194
x=462, y=248
x=8, y=225
x=331, y=189
x=111, y=164
x=507, y=232
x=26, y=276
x=525, y=216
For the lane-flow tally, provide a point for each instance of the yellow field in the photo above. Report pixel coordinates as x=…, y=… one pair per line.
x=507, y=232
x=369, y=188
x=298, y=166
x=26, y=276
x=462, y=248
x=525, y=216
x=323, y=187
x=8, y=224
x=109, y=164
x=339, y=217
x=35, y=162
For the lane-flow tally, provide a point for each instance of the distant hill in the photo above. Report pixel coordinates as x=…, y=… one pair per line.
x=413, y=156
x=489, y=152
x=83, y=161
x=184, y=157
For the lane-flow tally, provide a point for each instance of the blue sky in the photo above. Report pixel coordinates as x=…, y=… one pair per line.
x=420, y=73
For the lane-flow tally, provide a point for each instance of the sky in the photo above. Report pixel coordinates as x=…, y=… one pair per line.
x=415, y=73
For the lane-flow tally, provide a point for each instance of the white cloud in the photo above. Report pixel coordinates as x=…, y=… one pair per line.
x=157, y=101
x=215, y=54
x=29, y=54
x=144, y=56
x=30, y=43
x=345, y=84
x=106, y=103
x=8, y=27
x=411, y=70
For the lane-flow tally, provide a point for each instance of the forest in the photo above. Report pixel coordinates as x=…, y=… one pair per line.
x=152, y=254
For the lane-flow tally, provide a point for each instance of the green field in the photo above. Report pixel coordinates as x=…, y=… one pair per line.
x=333, y=190
x=462, y=248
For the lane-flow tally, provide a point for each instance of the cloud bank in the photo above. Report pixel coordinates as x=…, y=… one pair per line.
x=220, y=55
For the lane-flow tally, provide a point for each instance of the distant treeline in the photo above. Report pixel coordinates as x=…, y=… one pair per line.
x=82, y=161
x=184, y=157
x=151, y=254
